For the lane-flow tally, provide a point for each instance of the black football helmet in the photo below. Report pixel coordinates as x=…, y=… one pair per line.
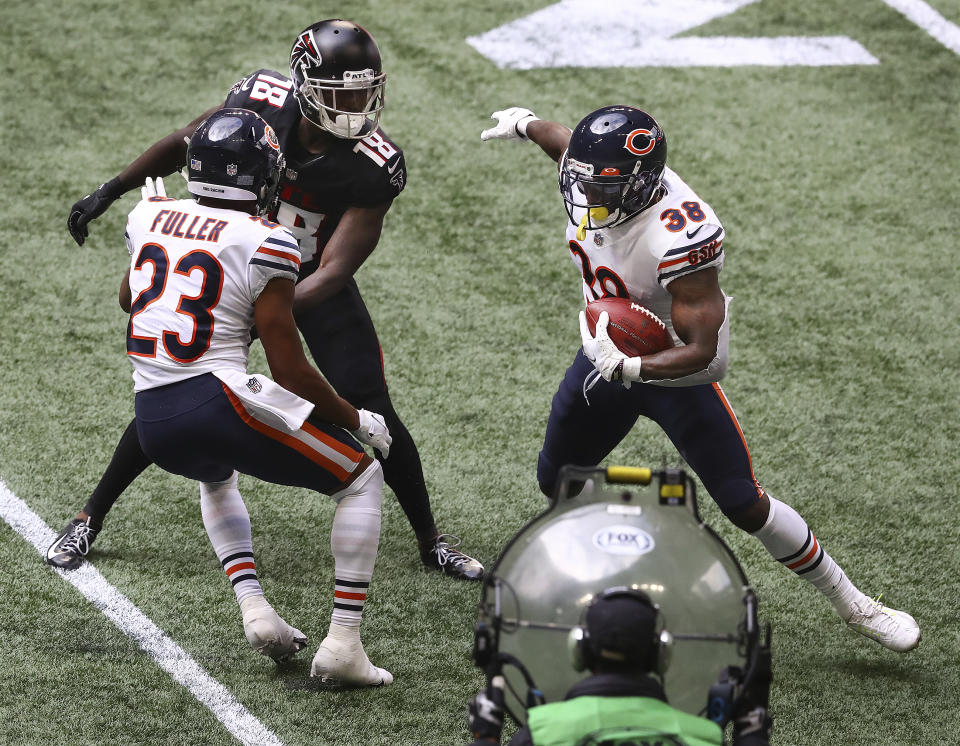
x=338, y=78
x=235, y=155
x=612, y=167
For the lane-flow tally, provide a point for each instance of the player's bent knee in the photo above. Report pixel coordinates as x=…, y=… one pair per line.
x=216, y=490
x=366, y=480
x=752, y=518
x=743, y=505
x=546, y=475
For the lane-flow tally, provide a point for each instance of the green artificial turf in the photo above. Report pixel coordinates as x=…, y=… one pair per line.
x=836, y=186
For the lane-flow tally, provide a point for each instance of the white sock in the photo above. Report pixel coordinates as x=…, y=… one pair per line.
x=353, y=540
x=791, y=542
x=228, y=526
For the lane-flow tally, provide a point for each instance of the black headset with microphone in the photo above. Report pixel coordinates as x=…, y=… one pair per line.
x=584, y=652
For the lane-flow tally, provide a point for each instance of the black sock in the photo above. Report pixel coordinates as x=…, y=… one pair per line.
x=403, y=471
x=127, y=464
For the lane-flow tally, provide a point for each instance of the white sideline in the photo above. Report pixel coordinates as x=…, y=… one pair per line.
x=134, y=623
x=930, y=21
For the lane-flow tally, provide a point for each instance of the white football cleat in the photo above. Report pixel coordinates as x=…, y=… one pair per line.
x=341, y=660
x=895, y=630
x=267, y=633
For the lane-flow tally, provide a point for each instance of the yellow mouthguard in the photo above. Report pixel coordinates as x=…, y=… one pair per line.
x=594, y=213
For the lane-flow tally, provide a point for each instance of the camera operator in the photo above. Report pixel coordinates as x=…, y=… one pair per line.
x=621, y=641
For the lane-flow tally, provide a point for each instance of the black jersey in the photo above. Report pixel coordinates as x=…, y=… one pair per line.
x=315, y=190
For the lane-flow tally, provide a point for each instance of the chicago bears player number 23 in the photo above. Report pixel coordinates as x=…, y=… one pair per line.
x=202, y=271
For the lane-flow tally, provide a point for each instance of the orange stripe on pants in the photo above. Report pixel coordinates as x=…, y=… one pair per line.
x=736, y=424
x=288, y=440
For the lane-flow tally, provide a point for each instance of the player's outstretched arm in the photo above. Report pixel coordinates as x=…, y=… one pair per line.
x=552, y=137
x=354, y=239
x=273, y=315
x=517, y=123
x=162, y=158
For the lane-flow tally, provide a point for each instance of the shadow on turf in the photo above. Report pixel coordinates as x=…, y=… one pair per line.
x=295, y=675
x=310, y=684
x=900, y=669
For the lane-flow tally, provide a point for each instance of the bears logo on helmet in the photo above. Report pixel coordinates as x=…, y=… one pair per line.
x=612, y=168
x=630, y=143
x=270, y=137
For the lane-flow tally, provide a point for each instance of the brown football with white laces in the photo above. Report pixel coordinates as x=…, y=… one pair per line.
x=634, y=329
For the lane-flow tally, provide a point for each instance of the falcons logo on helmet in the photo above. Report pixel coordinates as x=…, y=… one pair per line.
x=304, y=52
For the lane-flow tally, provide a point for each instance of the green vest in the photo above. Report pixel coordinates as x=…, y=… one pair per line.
x=642, y=721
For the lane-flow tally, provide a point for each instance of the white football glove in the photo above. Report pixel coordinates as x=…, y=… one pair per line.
x=373, y=432
x=153, y=188
x=511, y=124
x=605, y=355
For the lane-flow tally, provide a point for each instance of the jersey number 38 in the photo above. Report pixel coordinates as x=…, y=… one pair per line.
x=602, y=281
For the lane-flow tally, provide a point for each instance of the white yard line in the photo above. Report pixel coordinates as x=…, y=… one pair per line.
x=929, y=20
x=135, y=624
x=642, y=33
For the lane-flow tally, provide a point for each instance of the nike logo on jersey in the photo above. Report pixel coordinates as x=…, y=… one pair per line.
x=691, y=234
x=391, y=169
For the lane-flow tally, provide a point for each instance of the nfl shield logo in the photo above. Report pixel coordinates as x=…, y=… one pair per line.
x=291, y=174
x=598, y=238
x=254, y=385
x=231, y=169
x=195, y=164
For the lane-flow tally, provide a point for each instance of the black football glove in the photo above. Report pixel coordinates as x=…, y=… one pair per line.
x=486, y=711
x=750, y=710
x=91, y=207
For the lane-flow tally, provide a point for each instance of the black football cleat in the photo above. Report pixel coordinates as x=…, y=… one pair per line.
x=441, y=555
x=72, y=544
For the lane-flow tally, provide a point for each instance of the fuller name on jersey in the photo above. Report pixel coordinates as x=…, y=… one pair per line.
x=316, y=190
x=639, y=258
x=195, y=274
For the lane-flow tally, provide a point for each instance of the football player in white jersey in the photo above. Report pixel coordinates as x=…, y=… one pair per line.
x=342, y=173
x=202, y=272
x=637, y=231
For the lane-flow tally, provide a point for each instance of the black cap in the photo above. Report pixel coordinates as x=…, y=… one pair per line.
x=621, y=631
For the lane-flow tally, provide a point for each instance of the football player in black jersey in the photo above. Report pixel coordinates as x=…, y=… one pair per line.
x=342, y=174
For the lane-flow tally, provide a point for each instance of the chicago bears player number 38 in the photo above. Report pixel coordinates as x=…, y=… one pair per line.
x=637, y=231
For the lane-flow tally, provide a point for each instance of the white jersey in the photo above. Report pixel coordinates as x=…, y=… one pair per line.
x=640, y=257
x=195, y=274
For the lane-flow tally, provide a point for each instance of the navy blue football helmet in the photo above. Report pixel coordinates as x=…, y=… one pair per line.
x=338, y=78
x=235, y=155
x=612, y=167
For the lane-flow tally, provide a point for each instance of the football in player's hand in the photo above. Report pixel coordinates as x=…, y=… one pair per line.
x=635, y=330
